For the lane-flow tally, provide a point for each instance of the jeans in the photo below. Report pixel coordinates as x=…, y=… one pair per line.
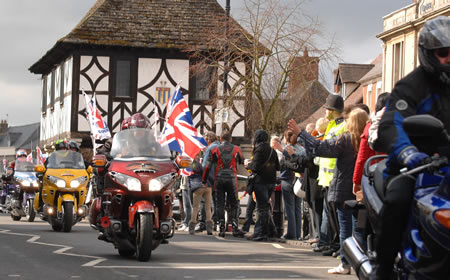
x=293, y=210
x=347, y=224
x=187, y=206
x=249, y=214
x=263, y=193
x=324, y=239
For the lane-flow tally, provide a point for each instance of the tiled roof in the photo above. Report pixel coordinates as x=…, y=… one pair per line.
x=375, y=72
x=160, y=24
x=351, y=73
x=23, y=136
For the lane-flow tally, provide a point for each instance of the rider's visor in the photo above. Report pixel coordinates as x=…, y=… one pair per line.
x=443, y=217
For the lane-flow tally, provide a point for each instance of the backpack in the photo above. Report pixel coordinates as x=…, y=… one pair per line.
x=226, y=157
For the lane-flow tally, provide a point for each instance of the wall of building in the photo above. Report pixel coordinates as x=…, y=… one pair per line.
x=403, y=27
x=55, y=122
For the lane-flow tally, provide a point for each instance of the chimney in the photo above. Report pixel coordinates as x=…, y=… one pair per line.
x=3, y=126
x=303, y=69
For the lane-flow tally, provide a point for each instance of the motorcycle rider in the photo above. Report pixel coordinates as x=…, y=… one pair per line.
x=225, y=157
x=426, y=90
x=58, y=146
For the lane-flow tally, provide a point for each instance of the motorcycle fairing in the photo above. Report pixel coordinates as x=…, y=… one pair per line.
x=142, y=206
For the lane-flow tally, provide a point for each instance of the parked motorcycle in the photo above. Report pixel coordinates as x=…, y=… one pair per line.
x=21, y=191
x=134, y=212
x=64, y=189
x=425, y=248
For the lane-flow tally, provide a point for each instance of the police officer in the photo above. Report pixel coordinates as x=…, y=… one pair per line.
x=426, y=90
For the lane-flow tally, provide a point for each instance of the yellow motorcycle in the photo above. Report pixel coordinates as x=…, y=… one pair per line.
x=64, y=189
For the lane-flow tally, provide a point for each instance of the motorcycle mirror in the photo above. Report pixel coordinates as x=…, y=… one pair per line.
x=89, y=170
x=39, y=168
x=422, y=126
x=99, y=161
x=183, y=161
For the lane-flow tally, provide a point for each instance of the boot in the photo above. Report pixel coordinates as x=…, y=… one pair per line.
x=222, y=229
x=236, y=231
x=191, y=228
x=209, y=227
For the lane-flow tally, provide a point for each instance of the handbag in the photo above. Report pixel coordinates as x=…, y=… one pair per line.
x=298, y=190
x=252, y=177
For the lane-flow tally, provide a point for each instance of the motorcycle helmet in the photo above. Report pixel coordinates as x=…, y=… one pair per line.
x=61, y=145
x=139, y=120
x=21, y=153
x=435, y=35
x=73, y=146
x=125, y=123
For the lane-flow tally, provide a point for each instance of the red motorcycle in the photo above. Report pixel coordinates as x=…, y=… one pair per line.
x=134, y=211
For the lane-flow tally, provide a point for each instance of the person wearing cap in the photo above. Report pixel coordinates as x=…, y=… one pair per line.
x=328, y=241
x=426, y=90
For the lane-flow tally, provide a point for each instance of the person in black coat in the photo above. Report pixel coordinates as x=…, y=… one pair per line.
x=265, y=165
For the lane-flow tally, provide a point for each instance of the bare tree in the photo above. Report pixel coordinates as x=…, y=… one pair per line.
x=266, y=38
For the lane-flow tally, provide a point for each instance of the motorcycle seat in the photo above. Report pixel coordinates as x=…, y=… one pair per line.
x=378, y=180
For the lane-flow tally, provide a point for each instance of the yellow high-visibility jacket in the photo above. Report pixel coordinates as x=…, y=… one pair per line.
x=327, y=165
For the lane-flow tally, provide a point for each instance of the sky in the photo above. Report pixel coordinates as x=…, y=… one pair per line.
x=29, y=28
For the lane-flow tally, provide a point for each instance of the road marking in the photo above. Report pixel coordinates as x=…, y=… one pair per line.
x=14, y=275
x=278, y=246
x=203, y=267
x=33, y=239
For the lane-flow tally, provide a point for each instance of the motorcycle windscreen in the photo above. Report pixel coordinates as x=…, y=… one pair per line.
x=65, y=160
x=138, y=142
x=24, y=166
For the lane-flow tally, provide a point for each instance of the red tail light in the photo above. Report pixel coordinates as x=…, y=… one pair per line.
x=105, y=222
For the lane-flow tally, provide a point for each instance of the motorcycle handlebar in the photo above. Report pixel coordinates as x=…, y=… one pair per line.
x=435, y=163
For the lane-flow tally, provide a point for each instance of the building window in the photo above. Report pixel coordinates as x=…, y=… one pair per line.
x=123, y=77
x=44, y=94
x=203, y=86
x=52, y=89
x=397, y=62
x=61, y=86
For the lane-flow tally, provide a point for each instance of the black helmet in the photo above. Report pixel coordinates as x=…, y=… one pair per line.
x=435, y=35
x=334, y=102
x=73, y=146
x=61, y=145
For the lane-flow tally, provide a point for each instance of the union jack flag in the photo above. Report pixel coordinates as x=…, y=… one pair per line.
x=40, y=156
x=179, y=132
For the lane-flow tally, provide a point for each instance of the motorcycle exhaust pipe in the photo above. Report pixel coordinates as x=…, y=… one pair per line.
x=165, y=227
x=357, y=258
x=116, y=225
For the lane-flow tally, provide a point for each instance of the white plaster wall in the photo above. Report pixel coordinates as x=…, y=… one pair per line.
x=93, y=73
x=410, y=45
x=148, y=69
x=57, y=121
x=388, y=68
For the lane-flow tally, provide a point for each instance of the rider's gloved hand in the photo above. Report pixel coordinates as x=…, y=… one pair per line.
x=411, y=157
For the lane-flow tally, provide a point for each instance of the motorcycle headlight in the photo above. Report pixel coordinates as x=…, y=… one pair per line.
x=75, y=183
x=25, y=183
x=35, y=184
x=60, y=183
x=156, y=184
x=131, y=183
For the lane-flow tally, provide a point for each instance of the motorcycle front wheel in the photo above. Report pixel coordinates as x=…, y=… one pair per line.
x=29, y=211
x=68, y=216
x=144, y=236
